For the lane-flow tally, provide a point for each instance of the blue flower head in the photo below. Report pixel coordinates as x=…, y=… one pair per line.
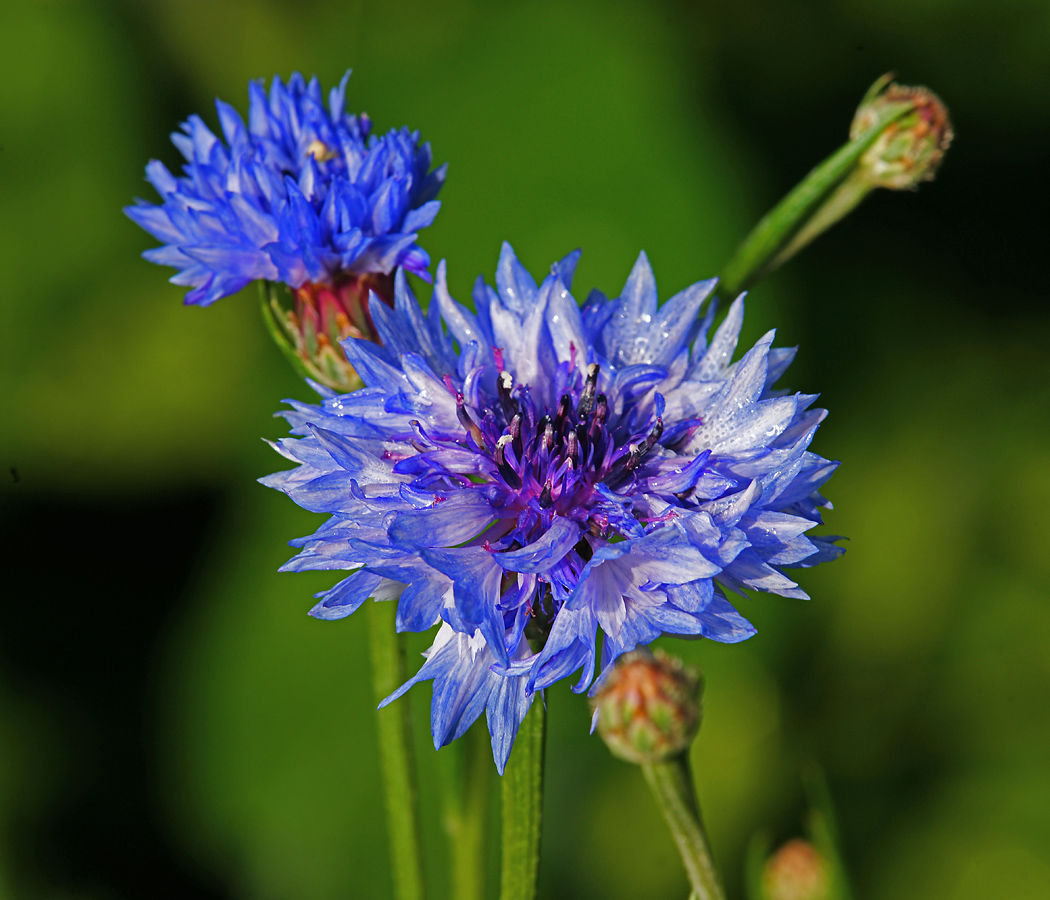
x=302, y=195
x=534, y=475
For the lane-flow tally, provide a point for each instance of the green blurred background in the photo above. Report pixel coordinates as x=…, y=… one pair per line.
x=173, y=725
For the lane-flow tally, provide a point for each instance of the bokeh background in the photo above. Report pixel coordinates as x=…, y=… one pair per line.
x=173, y=725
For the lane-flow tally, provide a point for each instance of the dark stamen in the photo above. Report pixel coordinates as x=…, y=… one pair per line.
x=633, y=458
x=601, y=409
x=505, y=384
x=501, y=453
x=548, y=436
x=514, y=430
x=546, y=500
x=586, y=403
x=629, y=461
x=468, y=423
x=512, y=478
x=564, y=408
x=583, y=438
x=571, y=445
x=652, y=437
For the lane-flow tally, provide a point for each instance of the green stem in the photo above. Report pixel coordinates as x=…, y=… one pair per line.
x=758, y=852
x=466, y=806
x=823, y=830
x=396, y=762
x=522, y=785
x=672, y=785
x=799, y=217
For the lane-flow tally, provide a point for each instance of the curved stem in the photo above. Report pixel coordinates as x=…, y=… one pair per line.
x=396, y=762
x=522, y=785
x=823, y=197
x=672, y=785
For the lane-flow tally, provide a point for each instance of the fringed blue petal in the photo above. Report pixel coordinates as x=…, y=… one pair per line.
x=300, y=189
x=537, y=466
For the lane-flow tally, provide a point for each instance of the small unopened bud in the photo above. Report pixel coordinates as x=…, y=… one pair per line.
x=648, y=709
x=309, y=322
x=796, y=872
x=898, y=138
x=910, y=148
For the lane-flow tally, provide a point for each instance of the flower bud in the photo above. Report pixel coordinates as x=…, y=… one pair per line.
x=796, y=872
x=898, y=138
x=910, y=148
x=648, y=709
x=309, y=322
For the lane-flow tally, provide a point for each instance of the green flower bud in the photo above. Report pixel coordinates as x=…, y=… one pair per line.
x=308, y=323
x=898, y=138
x=910, y=148
x=648, y=708
x=796, y=872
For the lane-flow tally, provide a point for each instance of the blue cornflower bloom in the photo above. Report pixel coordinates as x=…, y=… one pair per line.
x=540, y=472
x=302, y=195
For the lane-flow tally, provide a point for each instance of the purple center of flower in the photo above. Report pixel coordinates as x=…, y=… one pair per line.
x=548, y=463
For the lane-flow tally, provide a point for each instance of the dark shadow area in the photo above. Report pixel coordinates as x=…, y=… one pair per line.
x=957, y=263
x=92, y=585
x=789, y=77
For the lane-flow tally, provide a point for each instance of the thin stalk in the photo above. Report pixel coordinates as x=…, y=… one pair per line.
x=672, y=785
x=785, y=229
x=522, y=785
x=396, y=761
x=466, y=808
x=759, y=849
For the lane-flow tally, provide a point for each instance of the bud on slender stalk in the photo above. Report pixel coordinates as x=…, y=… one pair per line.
x=309, y=322
x=796, y=872
x=648, y=710
x=898, y=138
